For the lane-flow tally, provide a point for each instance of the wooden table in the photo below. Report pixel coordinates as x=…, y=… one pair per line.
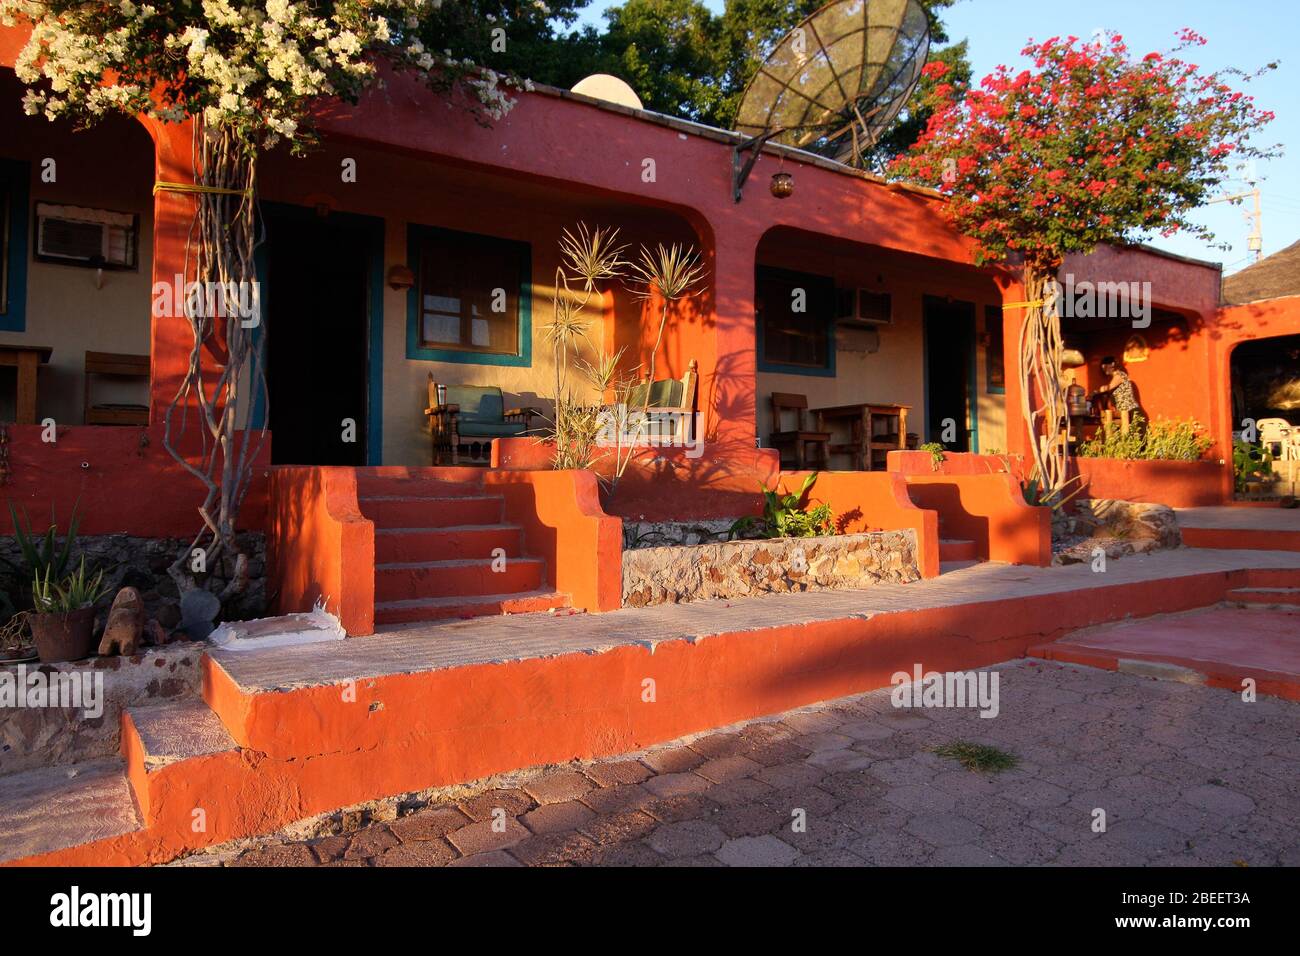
x=25, y=358
x=864, y=442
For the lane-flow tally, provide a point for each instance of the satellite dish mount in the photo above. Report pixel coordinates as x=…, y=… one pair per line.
x=834, y=83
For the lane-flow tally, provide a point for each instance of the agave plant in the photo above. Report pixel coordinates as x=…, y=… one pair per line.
x=671, y=272
x=42, y=554
x=77, y=590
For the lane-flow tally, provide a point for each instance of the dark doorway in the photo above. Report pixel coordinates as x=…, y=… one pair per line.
x=1266, y=380
x=317, y=339
x=949, y=367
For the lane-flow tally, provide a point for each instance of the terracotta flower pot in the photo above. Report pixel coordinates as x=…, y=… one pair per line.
x=67, y=636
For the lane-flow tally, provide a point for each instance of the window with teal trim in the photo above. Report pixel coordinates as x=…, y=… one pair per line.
x=796, y=322
x=13, y=246
x=470, y=298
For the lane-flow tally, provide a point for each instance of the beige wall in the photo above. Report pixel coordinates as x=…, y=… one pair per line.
x=894, y=374
x=107, y=167
x=402, y=191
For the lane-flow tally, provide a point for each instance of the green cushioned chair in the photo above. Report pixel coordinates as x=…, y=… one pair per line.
x=471, y=415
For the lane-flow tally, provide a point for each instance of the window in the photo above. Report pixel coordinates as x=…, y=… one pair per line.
x=994, y=368
x=470, y=298
x=13, y=246
x=77, y=236
x=796, y=322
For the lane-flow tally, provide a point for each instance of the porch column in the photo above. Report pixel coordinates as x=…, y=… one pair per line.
x=173, y=215
x=728, y=397
x=1018, y=437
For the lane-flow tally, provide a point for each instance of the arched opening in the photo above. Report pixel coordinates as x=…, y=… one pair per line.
x=1265, y=395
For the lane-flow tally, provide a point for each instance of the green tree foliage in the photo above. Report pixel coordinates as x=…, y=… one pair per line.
x=680, y=58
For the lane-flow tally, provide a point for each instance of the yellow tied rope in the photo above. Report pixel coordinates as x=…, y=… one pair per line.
x=196, y=188
x=1022, y=305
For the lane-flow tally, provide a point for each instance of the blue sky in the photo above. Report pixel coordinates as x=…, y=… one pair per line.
x=1241, y=34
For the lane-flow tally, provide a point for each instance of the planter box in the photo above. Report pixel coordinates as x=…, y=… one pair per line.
x=954, y=463
x=735, y=569
x=1179, y=484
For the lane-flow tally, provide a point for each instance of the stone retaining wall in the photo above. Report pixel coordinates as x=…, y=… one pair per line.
x=142, y=563
x=665, y=534
x=36, y=736
x=735, y=569
x=1117, y=528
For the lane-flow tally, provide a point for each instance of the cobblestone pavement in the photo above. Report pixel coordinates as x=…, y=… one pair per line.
x=1184, y=774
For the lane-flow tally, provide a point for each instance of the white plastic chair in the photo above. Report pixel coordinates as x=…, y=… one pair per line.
x=1275, y=432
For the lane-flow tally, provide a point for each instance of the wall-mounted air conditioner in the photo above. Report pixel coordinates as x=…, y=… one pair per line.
x=78, y=236
x=863, y=307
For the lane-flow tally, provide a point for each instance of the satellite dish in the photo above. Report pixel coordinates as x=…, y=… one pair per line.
x=602, y=86
x=836, y=81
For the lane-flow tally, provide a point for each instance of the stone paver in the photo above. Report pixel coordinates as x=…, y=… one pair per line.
x=1184, y=775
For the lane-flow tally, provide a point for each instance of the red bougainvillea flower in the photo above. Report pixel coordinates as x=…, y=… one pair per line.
x=1088, y=146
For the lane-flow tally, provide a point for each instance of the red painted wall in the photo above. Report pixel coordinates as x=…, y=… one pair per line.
x=989, y=510
x=320, y=548
x=122, y=480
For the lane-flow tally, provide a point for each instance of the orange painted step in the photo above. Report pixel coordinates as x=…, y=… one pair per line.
x=369, y=486
x=450, y=608
x=957, y=549
x=413, y=545
x=435, y=579
x=411, y=512
x=1287, y=597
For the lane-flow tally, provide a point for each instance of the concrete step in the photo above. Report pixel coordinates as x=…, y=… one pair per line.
x=176, y=731
x=404, y=511
x=474, y=576
x=1273, y=578
x=452, y=608
x=948, y=566
x=166, y=747
x=396, y=545
x=1278, y=597
x=55, y=808
x=386, y=486
x=957, y=549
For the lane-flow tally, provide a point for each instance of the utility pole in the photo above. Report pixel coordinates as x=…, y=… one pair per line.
x=1254, y=241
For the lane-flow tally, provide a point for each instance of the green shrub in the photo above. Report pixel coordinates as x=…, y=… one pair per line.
x=1160, y=440
x=784, y=516
x=1250, y=463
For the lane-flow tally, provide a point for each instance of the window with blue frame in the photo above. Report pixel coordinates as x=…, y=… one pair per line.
x=470, y=301
x=795, y=312
x=13, y=246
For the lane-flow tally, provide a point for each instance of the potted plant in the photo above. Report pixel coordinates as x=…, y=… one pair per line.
x=63, y=619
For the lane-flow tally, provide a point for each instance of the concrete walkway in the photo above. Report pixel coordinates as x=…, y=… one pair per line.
x=425, y=647
x=1180, y=775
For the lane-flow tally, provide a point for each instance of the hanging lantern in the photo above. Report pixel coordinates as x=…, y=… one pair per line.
x=782, y=185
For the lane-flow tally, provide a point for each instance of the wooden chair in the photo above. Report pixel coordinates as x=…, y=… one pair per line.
x=799, y=441
x=119, y=366
x=672, y=402
x=471, y=415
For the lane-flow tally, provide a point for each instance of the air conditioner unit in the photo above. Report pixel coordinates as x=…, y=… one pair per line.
x=76, y=235
x=863, y=307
